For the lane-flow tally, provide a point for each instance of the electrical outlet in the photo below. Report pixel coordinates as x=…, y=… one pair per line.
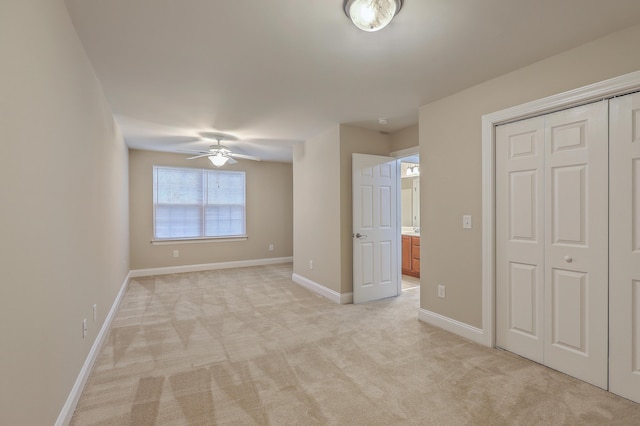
x=311, y=264
x=466, y=221
x=270, y=247
x=441, y=291
x=95, y=312
x=176, y=253
x=84, y=328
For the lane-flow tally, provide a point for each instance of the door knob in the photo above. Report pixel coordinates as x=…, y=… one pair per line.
x=568, y=259
x=360, y=236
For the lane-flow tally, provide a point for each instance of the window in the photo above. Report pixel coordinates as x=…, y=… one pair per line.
x=198, y=203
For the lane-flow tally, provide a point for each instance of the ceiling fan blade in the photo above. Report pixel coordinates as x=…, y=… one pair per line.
x=165, y=141
x=244, y=157
x=208, y=154
x=231, y=160
x=192, y=151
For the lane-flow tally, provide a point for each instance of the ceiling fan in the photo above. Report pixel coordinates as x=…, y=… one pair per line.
x=219, y=154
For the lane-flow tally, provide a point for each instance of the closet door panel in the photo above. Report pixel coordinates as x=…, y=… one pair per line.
x=569, y=193
x=624, y=241
x=520, y=237
x=576, y=242
x=568, y=313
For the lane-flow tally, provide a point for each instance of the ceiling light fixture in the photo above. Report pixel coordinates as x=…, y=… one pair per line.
x=218, y=160
x=372, y=15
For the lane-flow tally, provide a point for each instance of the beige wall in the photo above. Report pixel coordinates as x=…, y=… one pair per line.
x=316, y=209
x=404, y=139
x=322, y=203
x=63, y=221
x=353, y=140
x=450, y=154
x=269, y=214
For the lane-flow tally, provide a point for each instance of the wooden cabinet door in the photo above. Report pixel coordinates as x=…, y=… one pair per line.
x=415, y=256
x=406, y=254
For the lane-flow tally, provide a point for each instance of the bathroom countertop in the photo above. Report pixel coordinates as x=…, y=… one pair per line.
x=410, y=231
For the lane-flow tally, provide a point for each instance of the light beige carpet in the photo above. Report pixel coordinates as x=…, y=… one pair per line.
x=248, y=346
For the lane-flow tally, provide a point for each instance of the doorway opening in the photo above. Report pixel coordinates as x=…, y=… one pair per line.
x=410, y=222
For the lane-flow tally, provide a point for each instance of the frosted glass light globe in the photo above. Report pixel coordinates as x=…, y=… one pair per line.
x=218, y=160
x=372, y=15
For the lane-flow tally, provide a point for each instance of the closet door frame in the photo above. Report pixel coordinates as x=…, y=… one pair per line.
x=616, y=86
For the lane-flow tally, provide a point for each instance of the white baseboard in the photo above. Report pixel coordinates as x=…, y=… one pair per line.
x=456, y=327
x=346, y=298
x=208, y=266
x=64, y=418
x=334, y=296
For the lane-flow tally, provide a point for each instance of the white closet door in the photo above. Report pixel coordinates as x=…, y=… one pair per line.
x=624, y=293
x=552, y=240
x=576, y=242
x=520, y=237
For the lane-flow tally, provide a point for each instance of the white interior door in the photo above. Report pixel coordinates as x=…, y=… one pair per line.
x=520, y=238
x=375, y=227
x=576, y=242
x=624, y=240
x=551, y=240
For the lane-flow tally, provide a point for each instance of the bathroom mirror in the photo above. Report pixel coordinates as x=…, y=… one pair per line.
x=410, y=190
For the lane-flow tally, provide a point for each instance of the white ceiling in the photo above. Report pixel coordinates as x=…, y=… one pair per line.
x=275, y=72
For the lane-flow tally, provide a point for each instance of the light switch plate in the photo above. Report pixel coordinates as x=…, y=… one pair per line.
x=466, y=221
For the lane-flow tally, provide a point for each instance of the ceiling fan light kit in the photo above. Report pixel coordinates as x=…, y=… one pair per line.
x=218, y=154
x=371, y=15
x=218, y=160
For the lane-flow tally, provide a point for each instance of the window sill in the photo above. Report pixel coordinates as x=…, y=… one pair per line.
x=199, y=240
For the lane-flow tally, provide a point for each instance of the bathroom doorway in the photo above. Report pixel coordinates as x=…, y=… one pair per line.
x=410, y=221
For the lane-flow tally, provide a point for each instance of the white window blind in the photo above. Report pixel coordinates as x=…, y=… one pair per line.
x=198, y=203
